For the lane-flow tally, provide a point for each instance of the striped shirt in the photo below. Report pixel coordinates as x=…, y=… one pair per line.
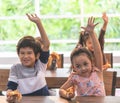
x=30, y=81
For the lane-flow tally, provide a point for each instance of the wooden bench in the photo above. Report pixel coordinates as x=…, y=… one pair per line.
x=109, y=57
x=110, y=82
x=60, y=61
x=4, y=74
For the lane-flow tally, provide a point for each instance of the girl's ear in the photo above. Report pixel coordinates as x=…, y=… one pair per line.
x=73, y=68
x=37, y=56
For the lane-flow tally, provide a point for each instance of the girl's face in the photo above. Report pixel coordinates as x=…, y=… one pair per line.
x=82, y=65
x=89, y=44
x=27, y=56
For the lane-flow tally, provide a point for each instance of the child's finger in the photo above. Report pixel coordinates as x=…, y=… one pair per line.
x=83, y=28
x=96, y=24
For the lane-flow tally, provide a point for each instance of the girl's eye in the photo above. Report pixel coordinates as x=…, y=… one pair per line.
x=85, y=64
x=78, y=66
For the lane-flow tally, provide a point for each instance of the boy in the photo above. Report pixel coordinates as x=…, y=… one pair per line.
x=28, y=77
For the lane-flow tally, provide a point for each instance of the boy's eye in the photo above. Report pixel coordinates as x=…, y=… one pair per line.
x=22, y=53
x=29, y=52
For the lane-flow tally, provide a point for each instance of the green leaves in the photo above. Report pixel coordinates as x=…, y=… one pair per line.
x=57, y=28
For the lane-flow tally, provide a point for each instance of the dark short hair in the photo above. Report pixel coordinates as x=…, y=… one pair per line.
x=28, y=41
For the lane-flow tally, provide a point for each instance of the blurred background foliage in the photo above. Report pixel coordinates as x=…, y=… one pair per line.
x=15, y=25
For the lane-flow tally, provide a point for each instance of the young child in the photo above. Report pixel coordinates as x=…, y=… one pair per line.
x=28, y=77
x=101, y=39
x=85, y=40
x=87, y=79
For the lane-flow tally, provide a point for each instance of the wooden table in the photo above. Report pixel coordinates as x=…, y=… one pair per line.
x=38, y=99
x=107, y=99
x=56, y=78
x=59, y=76
x=56, y=99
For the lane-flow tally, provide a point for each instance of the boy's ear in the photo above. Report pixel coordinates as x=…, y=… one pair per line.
x=37, y=56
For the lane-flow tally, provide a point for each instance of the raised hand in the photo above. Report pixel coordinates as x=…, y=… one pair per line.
x=44, y=39
x=105, y=18
x=33, y=17
x=90, y=26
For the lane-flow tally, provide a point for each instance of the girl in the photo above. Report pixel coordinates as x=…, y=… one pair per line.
x=85, y=40
x=87, y=79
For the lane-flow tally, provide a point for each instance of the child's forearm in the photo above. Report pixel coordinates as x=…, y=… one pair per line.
x=45, y=40
x=63, y=93
x=105, y=19
x=101, y=39
x=97, y=51
x=104, y=26
x=9, y=90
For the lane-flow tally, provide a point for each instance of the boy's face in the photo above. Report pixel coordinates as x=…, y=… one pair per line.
x=89, y=44
x=27, y=56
